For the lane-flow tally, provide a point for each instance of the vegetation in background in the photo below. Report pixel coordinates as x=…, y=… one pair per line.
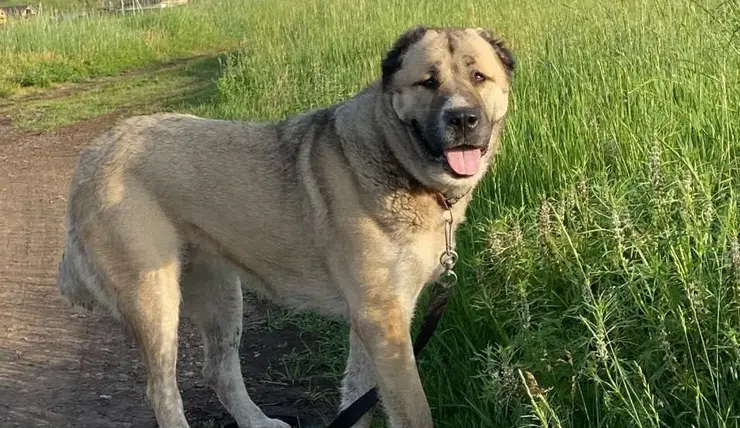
x=58, y=5
x=601, y=279
x=172, y=86
x=50, y=49
x=600, y=264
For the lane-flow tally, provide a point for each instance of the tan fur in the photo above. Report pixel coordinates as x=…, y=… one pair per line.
x=333, y=210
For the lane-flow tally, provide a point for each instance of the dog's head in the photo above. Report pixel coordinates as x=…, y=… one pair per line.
x=449, y=87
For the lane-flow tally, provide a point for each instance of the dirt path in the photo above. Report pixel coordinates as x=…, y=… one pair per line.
x=59, y=368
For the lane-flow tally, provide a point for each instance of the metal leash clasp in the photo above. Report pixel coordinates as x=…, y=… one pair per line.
x=449, y=257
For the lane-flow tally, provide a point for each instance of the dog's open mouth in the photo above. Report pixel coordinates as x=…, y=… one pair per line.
x=464, y=160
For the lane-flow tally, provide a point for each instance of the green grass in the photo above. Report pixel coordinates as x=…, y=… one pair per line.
x=600, y=278
x=601, y=258
x=169, y=87
x=45, y=51
x=60, y=5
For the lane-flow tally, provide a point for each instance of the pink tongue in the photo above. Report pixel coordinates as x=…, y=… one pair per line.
x=464, y=160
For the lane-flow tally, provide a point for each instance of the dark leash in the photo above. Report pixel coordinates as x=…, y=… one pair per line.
x=435, y=309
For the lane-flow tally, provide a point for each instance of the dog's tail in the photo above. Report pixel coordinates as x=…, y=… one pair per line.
x=77, y=277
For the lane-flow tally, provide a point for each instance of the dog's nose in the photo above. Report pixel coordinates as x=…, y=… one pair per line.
x=464, y=118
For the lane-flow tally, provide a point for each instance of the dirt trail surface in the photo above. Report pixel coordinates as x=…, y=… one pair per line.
x=61, y=368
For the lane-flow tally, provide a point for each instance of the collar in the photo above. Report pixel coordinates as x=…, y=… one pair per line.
x=446, y=202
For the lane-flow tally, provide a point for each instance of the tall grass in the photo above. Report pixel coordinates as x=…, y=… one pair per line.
x=601, y=284
x=55, y=48
x=600, y=278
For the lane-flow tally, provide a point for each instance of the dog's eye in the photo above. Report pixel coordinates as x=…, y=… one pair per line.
x=478, y=77
x=430, y=83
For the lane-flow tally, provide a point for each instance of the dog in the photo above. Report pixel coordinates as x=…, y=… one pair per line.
x=339, y=210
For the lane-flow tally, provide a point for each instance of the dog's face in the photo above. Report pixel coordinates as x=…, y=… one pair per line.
x=450, y=89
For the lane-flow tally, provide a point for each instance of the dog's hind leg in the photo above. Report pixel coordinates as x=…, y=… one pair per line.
x=136, y=253
x=149, y=303
x=358, y=377
x=212, y=297
x=155, y=326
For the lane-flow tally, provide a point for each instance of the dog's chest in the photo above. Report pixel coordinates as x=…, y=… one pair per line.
x=421, y=233
x=428, y=249
x=420, y=262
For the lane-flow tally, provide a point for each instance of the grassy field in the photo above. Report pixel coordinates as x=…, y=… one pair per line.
x=601, y=263
x=50, y=49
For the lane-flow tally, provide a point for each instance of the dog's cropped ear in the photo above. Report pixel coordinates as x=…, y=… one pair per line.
x=394, y=58
x=503, y=52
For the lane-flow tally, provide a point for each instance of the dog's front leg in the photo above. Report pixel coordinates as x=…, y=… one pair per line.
x=358, y=378
x=383, y=328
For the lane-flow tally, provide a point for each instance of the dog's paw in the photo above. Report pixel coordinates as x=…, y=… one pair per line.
x=268, y=422
x=273, y=423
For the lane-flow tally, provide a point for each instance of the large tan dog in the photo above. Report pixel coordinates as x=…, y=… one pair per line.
x=339, y=210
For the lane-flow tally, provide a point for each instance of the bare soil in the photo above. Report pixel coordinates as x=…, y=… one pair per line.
x=61, y=368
